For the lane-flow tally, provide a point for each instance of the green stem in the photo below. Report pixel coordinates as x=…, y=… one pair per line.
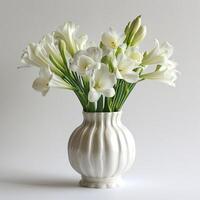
x=90, y=107
x=100, y=104
x=128, y=91
x=106, y=105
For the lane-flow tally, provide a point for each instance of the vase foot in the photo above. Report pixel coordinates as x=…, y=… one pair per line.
x=100, y=182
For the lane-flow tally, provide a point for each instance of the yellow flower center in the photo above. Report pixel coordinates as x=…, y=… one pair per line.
x=113, y=44
x=97, y=85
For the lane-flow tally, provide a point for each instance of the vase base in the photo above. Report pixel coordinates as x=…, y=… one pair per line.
x=100, y=182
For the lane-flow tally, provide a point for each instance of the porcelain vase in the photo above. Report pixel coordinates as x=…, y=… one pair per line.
x=101, y=149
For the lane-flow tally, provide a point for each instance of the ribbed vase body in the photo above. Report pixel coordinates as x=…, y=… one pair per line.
x=101, y=149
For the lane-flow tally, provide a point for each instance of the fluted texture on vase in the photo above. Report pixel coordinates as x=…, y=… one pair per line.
x=101, y=147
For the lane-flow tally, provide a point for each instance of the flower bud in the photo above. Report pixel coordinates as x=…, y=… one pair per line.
x=63, y=50
x=127, y=28
x=135, y=25
x=139, y=36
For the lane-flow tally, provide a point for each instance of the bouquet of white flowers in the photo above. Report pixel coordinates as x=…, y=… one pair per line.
x=101, y=76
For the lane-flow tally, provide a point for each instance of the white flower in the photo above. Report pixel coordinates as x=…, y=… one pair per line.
x=68, y=33
x=101, y=84
x=159, y=54
x=123, y=68
x=167, y=73
x=34, y=56
x=111, y=39
x=134, y=54
x=37, y=54
x=49, y=45
x=86, y=61
x=46, y=80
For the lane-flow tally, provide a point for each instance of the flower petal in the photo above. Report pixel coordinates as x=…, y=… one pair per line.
x=158, y=55
x=109, y=92
x=118, y=74
x=104, y=77
x=167, y=49
x=58, y=82
x=95, y=53
x=131, y=77
x=166, y=74
x=93, y=95
x=41, y=85
x=111, y=39
x=68, y=33
x=87, y=60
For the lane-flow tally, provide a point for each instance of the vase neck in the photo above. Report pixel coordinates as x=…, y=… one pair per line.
x=101, y=116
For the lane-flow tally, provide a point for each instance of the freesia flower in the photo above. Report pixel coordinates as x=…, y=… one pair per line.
x=166, y=73
x=134, y=54
x=158, y=55
x=46, y=80
x=34, y=56
x=37, y=54
x=111, y=39
x=68, y=33
x=123, y=68
x=67, y=60
x=86, y=61
x=102, y=83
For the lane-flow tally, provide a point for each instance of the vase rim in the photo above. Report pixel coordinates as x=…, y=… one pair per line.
x=120, y=111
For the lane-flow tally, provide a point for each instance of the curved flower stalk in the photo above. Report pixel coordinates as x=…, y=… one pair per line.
x=69, y=33
x=101, y=77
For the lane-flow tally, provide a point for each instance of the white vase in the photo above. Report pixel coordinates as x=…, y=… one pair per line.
x=101, y=149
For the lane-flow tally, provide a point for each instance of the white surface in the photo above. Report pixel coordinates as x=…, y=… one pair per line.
x=165, y=121
x=101, y=149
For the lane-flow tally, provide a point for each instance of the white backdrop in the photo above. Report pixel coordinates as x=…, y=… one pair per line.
x=165, y=121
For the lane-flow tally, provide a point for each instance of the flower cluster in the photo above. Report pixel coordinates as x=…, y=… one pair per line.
x=102, y=76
